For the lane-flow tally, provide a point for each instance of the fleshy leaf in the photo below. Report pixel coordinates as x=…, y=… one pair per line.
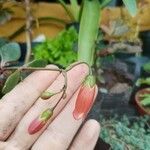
x=146, y=101
x=88, y=31
x=10, y=52
x=11, y=82
x=131, y=7
x=142, y=81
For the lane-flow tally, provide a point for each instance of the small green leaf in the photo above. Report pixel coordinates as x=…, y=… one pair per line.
x=146, y=67
x=37, y=63
x=10, y=52
x=131, y=7
x=11, y=82
x=146, y=101
x=142, y=81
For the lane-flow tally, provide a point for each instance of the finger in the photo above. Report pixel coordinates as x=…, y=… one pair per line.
x=87, y=137
x=61, y=131
x=2, y=145
x=75, y=76
x=15, y=104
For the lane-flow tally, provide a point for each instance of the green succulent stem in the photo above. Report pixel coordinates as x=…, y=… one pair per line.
x=88, y=32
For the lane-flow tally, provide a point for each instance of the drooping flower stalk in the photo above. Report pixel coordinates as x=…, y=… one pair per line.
x=39, y=122
x=85, y=98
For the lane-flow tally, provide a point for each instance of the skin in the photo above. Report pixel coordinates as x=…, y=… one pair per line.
x=19, y=107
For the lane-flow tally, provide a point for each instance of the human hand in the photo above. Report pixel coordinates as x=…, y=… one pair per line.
x=19, y=107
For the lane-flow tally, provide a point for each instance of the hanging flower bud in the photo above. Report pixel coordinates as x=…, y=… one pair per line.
x=38, y=123
x=85, y=98
x=46, y=95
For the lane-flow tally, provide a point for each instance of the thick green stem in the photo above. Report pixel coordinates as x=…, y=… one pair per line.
x=88, y=31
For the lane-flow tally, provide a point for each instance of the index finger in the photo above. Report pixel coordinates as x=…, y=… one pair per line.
x=16, y=103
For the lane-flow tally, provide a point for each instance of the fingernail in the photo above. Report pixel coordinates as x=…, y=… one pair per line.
x=85, y=98
x=38, y=123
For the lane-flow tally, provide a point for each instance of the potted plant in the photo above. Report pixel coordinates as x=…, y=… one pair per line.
x=86, y=50
x=142, y=99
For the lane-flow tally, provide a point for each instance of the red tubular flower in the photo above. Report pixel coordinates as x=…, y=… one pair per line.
x=85, y=98
x=38, y=123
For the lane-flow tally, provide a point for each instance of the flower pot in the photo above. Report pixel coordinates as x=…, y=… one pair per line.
x=142, y=110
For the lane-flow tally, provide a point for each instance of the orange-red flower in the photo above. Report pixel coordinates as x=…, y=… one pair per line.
x=85, y=98
x=38, y=123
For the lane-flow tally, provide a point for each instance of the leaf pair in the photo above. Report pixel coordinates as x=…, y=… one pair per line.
x=16, y=76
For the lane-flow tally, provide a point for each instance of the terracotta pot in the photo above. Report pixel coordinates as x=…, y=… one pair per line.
x=142, y=110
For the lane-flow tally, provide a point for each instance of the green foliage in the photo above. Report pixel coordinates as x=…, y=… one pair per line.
x=59, y=50
x=11, y=82
x=142, y=81
x=145, y=99
x=133, y=134
x=16, y=76
x=131, y=7
x=9, y=52
x=146, y=67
